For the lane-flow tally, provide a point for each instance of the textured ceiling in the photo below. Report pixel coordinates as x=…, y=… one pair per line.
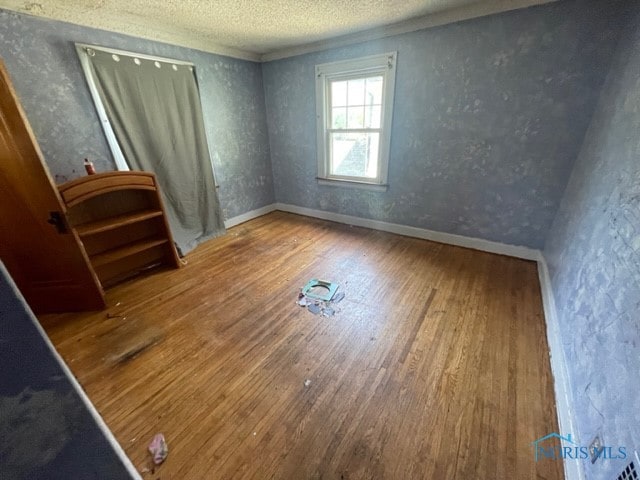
x=244, y=28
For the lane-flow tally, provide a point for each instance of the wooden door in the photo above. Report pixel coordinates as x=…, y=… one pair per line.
x=45, y=258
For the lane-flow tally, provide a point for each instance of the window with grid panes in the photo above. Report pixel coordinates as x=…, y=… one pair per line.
x=354, y=114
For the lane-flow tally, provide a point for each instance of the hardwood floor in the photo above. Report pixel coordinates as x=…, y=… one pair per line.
x=436, y=365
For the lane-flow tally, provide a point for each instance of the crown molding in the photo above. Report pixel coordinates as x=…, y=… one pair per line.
x=177, y=40
x=474, y=10
x=467, y=12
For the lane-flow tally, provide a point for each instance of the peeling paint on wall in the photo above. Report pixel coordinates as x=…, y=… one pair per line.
x=46, y=431
x=488, y=119
x=43, y=421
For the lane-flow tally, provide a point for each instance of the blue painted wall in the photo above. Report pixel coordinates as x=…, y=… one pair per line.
x=593, y=252
x=489, y=117
x=42, y=61
x=46, y=431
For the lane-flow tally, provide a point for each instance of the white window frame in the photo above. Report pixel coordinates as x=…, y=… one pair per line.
x=382, y=64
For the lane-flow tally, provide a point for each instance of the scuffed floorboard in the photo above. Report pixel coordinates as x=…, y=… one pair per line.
x=434, y=366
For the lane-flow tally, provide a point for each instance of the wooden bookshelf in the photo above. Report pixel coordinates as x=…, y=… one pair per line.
x=121, y=223
x=127, y=250
x=99, y=226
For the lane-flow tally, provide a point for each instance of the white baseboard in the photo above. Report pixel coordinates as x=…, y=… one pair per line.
x=441, y=237
x=245, y=217
x=573, y=469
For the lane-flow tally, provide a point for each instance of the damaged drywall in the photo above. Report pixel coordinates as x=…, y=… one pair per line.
x=46, y=431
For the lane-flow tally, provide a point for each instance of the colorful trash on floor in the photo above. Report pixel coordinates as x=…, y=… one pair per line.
x=158, y=449
x=319, y=297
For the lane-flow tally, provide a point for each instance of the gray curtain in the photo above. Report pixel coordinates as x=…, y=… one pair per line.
x=155, y=112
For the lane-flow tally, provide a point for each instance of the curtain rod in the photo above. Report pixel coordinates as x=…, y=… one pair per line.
x=126, y=53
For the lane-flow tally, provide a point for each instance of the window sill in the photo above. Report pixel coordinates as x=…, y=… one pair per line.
x=333, y=182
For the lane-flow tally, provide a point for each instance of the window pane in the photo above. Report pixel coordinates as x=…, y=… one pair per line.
x=354, y=154
x=338, y=94
x=374, y=91
x=372, y=116
x=356, y=92
x=339, y=117
x=355, y=117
